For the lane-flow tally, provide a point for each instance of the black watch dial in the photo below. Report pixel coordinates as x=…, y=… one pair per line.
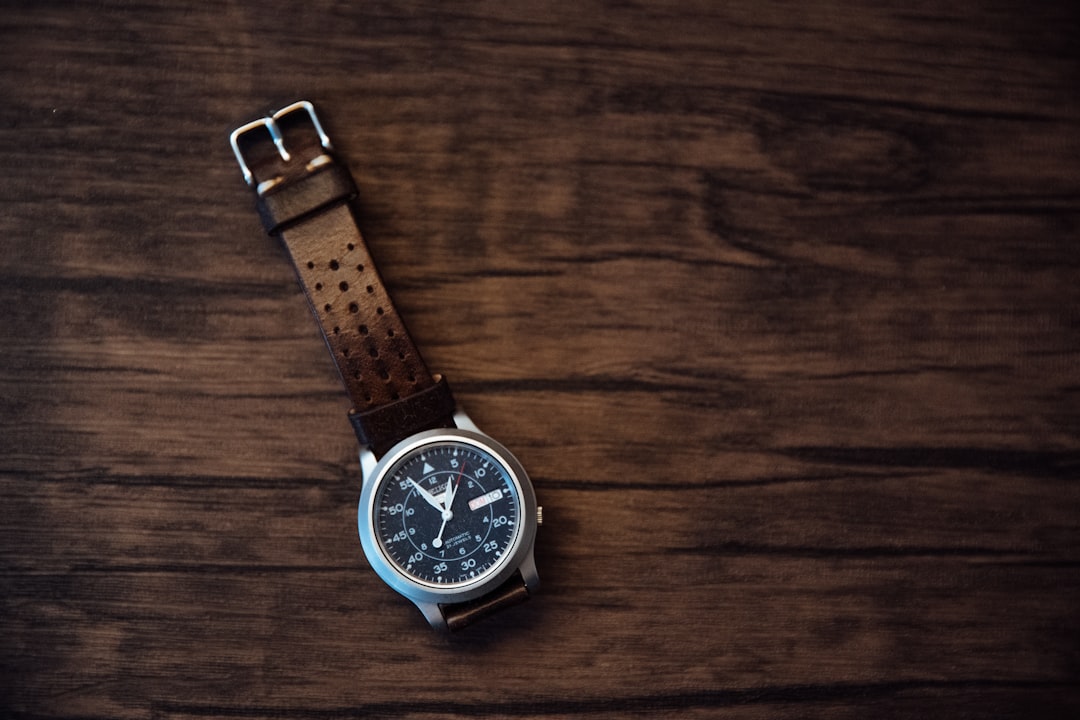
x=447, y=513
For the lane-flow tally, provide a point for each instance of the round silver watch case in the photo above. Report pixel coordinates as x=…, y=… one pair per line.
x=427, y=596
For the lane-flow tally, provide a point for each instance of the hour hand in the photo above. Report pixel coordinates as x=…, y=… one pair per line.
x=428, y=497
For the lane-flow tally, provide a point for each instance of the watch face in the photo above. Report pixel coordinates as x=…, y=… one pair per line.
x=447, y=512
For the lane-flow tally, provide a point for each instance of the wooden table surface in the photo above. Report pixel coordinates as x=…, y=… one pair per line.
x=778, y=302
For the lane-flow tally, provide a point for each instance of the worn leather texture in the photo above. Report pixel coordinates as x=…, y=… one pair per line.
x=377, y=360
x=392, y=392
x=383, y=426
x=291, y=202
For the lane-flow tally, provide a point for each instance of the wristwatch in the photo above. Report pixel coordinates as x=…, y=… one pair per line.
x=447, y=515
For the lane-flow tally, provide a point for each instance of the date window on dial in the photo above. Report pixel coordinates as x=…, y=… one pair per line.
x=486, y=499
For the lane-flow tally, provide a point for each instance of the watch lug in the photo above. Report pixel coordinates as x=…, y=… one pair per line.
x=433, y=613
x=368, y=461
x=464, y=422
x=528, y=572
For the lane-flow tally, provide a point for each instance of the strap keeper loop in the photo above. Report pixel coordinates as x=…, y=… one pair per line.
x=292, y=201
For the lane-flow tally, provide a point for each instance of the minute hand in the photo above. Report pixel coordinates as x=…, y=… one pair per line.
x=428, y=497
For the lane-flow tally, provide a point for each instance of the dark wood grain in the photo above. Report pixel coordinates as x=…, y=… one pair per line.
x=779, y=304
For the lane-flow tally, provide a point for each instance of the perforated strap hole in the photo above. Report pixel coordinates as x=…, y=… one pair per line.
x=334, y=265
x=343, y=285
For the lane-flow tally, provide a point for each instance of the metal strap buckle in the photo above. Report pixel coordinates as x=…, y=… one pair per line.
x=270, y=123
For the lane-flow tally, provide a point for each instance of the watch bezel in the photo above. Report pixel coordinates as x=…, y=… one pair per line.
x=419, y=591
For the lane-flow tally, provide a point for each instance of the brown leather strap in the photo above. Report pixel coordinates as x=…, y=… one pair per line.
x=284, y=204
x=306, y=202
x=511, y=592
x=381, y=427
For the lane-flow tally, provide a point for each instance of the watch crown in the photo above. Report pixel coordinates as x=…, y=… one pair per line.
x=539, y=515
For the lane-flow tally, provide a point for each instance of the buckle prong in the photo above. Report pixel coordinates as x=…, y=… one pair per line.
x=324, y=139
x=270, y=123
